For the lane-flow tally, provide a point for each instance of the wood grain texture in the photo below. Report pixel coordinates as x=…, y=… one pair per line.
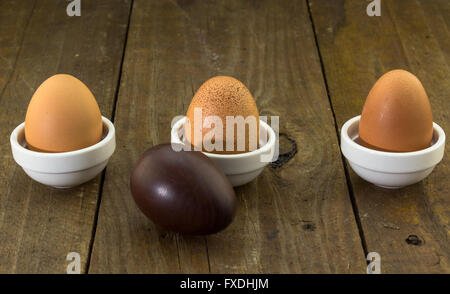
x=356, y=50
x=297, y=218
x=39, y=225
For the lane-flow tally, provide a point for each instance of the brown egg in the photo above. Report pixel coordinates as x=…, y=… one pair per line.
x=397, y=115
x=218, y=98
x=182, y=191
x=62, y=116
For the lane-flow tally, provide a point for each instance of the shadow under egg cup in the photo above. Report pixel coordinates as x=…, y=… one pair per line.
x=239, y=168
x=64, y=169
x=390, y=170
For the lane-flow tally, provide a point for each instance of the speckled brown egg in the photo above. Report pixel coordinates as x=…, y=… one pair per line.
x=62, y=116
x=219, y=97
x=397, y=114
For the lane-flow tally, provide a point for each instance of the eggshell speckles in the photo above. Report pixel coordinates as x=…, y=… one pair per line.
x=223, y=96
x=397, y=115
x=62, y=116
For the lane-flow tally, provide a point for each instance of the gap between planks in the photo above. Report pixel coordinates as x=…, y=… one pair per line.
x=347, y=176
x=113, y=115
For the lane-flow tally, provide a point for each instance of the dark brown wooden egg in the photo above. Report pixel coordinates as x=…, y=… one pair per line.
x=182, y=191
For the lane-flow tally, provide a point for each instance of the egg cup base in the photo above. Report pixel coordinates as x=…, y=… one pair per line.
x=391, y=170
x=73, y=178
x=388, y=187
x=242, y=179
x=240, y=168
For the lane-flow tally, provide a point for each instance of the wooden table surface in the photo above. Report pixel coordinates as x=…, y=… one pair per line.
x=311, y=62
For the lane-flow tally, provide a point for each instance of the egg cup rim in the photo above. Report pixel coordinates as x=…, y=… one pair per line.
x=263, y=149
x=344, y=134
x=15, y=143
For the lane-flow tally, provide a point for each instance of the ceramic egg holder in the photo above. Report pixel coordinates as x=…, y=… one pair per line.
x=64, y=169
x=240, y=168
x=390, y=169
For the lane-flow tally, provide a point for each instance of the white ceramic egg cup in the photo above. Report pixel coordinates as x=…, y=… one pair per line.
x=239, y=168
x=64, y=169
x=390, y=170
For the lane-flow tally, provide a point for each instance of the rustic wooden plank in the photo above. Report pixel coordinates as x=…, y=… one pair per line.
x=297, y=218
x=39, y=226
x=356, y=50
x=14, y=18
